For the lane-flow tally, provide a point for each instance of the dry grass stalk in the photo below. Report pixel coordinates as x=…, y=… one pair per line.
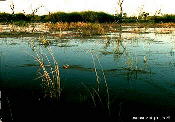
x=49, y=74
x=106, y=85
x=95, y=92
x=91, y=93
x=96, y=73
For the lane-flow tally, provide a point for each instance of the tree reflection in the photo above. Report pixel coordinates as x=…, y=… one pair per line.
x=119, y=48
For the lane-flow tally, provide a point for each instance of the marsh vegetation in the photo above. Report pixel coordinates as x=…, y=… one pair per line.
x=97, y=66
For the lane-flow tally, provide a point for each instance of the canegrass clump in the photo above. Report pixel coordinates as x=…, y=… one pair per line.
x=48, y=71
x=92, y=29
x=84, y=29
x=44, y=41
x=50, y=75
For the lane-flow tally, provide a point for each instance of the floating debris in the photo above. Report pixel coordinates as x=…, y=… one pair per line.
x=66, y=66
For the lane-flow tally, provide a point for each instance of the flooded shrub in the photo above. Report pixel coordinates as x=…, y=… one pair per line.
x=103, y=17
x=86, y=16
x=77, y=24
x=92, y=29
x=130, y=19
x=21, y=23
x=89, y=16
x=74, y=17
x=164, y=18
x=19, y=17
x=56, y=17
x=59, y=26
x=5, y=17
x=83, y=29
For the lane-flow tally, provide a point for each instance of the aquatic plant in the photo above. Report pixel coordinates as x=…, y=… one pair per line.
x=21, y=23
x=48, y=71
x=97, y=94
x=164, y=31
x=80, y=28
x=44, y=41
x=92, y=29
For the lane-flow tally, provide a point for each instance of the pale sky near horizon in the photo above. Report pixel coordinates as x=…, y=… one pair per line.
x=131, y=7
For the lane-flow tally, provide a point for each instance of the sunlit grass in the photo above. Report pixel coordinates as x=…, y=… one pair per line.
x=83, y=29
x=48, y=72
x=100, y=94
x=79, y=29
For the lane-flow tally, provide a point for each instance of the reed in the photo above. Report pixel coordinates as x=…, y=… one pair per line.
x=48, y=71
x=96, y=73
x=80, y=28
x=106, y=85
x=92, y=29
x=97, y=93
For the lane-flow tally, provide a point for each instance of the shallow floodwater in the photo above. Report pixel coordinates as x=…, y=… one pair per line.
x=139, y=67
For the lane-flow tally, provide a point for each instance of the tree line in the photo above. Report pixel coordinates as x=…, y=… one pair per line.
x=85, y=16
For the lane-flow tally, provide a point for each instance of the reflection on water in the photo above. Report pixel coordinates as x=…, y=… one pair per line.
x=138, y=66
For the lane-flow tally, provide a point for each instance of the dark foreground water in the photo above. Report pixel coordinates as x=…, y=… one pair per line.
x=139, y=71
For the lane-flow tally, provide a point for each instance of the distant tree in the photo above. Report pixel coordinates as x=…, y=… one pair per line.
x=120, y=4
x=19, y=17
x=140, y=11
x=124, y=15
x=158, y=12
x=145, y=15
x=74, y=17
x=89, y=16
x=34, y=11
x=12, y=7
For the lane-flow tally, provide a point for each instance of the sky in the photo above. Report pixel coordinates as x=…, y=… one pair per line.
x=131, y=7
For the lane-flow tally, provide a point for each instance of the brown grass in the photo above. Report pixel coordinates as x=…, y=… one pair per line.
x=49, y=73
x=79, y=29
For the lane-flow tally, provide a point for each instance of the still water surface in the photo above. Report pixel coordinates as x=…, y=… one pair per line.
x=138, y=67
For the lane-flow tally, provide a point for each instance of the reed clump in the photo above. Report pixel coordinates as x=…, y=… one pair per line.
x=82, y=28
x=48, y=71
x=44, y=41
x=92, y=29
x=57, y=26
x=50, y=76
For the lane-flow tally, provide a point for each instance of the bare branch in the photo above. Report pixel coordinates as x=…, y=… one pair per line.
x=12, y=7
x=36, y=10
x=120, y=4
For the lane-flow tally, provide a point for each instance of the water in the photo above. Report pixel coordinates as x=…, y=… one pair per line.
x=139, y=67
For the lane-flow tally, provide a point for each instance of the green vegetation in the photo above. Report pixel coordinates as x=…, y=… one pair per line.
x=77, y=24
x=164, y=18
x=85, y=16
